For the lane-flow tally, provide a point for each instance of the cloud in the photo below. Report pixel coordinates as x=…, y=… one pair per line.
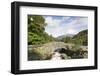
x=71, y=31
x=76, y=25
x=83, y=20
x=65, y=18
x=54, y=31
x=52, y=22
x=65, y=25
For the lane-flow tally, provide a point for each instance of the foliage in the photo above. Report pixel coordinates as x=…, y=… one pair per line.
x=81, y=38
x=66, y=39
x=36, y=30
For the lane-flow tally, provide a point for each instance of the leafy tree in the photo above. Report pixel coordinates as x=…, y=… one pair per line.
x=36, y=30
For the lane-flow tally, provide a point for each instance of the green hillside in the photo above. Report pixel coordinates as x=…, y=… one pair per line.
x=81, y=38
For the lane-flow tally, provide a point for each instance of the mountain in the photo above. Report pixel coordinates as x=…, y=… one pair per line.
x=70, y=35
x=64, y=36
x=81, y=34
x=80, y=38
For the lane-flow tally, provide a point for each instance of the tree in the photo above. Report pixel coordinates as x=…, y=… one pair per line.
x=66, y=39
x=36, y=30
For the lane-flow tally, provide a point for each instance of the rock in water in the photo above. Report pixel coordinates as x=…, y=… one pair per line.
x=56, y=56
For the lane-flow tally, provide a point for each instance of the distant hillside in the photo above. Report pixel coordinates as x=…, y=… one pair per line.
x=64, y=36
x=80, y=38
x=70, y=35
x=81, y=34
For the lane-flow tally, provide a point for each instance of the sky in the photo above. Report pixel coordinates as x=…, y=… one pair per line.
x=63, y=25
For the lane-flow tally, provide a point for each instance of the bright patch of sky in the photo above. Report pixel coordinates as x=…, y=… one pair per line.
x=63, y=25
